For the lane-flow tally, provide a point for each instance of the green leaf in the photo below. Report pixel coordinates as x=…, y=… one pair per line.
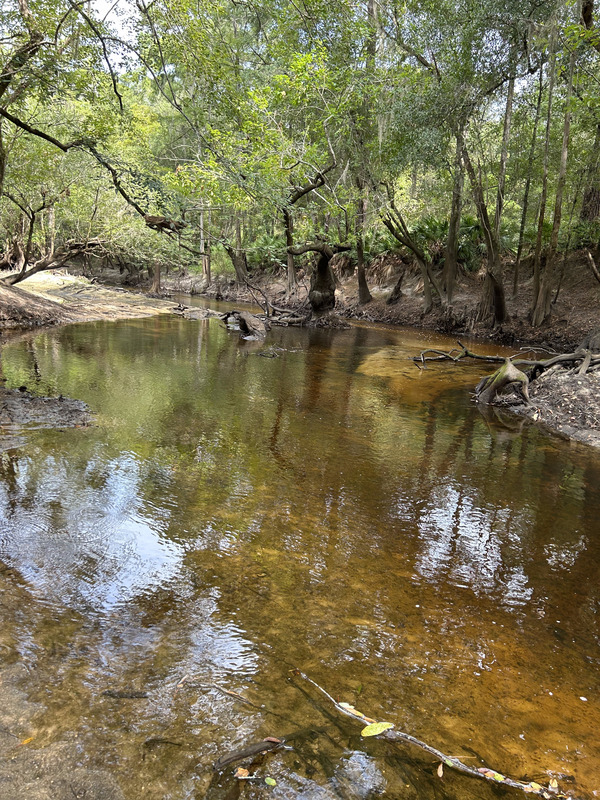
x=376, y=728
x=270, y=781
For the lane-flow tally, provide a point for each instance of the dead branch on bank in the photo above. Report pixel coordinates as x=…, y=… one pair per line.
x=580, y=362
x=452, y=762
x=276, y=315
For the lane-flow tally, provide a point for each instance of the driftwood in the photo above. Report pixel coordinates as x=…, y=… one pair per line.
x=452, y=762
x=581, y=361
x=249, y=324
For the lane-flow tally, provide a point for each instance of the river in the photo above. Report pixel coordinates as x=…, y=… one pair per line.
x=241, y=509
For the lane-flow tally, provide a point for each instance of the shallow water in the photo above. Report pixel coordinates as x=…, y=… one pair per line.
x=241, y=509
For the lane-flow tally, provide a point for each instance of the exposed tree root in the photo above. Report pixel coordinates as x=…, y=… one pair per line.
x=494, y=384
x=581, y=361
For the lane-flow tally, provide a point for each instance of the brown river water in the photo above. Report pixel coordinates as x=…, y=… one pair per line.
x=241, y=509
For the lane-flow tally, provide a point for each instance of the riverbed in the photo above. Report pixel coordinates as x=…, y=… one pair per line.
x=241, y=509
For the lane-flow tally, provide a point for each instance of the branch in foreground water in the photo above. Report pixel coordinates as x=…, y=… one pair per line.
x=452, y=762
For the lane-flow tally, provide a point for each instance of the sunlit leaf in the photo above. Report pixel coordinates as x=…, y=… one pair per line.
x=554, y=783
x=241, y=773
x=270, y=781
x=376, y=728
x=440, y=771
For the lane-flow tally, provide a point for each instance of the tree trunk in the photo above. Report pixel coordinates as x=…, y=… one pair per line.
x=364, y=295
x=322, y=284
x=396, y=292
x=155, y=287
x=322, y=280
x=550, y=278
x=504, y=156
x=51, y=241
x=2, y=157
x=528, y=182
x=493, y=301
x=544, y=196
x=205, y=262
x=451, y=255
x=427, y=293
x=238, y=256
x=396, y=225
x=590, y=208
x=206, y=258
x=240, y=263
x=288, y=221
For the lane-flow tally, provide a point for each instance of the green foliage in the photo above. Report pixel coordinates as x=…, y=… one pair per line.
x=267, y=252
x=230, y=109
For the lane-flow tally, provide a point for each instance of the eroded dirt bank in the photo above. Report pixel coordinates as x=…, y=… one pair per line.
x=567, y=404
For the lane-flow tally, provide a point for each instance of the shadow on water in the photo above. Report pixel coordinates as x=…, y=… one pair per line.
x=231, y=517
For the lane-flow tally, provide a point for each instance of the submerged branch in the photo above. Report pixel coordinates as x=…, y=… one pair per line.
x=450, y=761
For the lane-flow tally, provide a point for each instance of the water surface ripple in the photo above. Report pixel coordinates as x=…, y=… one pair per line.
x=241, y=508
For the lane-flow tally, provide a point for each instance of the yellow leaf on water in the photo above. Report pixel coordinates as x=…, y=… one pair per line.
x=535, y=786
x=26, y=741
x=376, y=728
x=554, y=783
x=440, y=771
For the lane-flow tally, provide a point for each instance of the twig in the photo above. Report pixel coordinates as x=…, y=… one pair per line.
x=449, y=761
x=265, y=308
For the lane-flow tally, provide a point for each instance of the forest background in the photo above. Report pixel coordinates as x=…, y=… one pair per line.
x=234, y=136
